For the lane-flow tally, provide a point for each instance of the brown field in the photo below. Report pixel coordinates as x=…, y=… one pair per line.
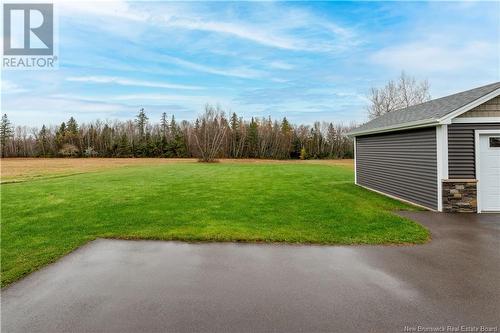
x=22, y=169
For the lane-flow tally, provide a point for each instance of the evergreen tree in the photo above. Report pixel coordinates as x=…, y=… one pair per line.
x=286, y=128
x=5, y=133
x=176, y=146
x=124, y=148
x=235, y=137
x=43, y=142
x=253, y=138
x=164, y=125
x=173, y=126
x=141, y=120
x=72, y=126
x=331, y=136
x=61, y=135
x=234, y=122
x=71, y=135
x=105, y=139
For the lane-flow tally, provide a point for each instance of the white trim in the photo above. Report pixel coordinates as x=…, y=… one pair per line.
x=473, y=120
x=355, y=169
x=445, y=152
x=477, y=133
x=396, y=198
x=442, y=161
x=398, y=127
x=447, y=119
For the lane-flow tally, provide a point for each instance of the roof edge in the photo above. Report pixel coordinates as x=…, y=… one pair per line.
x=467, y=107
x=430, y=122
x=398, y=127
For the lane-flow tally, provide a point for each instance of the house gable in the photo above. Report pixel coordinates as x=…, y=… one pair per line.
x=490, y=108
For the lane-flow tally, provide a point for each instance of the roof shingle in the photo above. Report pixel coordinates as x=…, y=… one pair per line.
x=431, y=110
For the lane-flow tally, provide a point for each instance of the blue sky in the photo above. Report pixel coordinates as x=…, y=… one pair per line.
x=304, y=60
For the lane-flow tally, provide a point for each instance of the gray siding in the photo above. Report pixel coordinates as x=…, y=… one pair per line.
x=461, y=150
x=402, y=164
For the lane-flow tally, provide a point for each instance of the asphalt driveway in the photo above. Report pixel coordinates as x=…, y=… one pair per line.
x=152, y=286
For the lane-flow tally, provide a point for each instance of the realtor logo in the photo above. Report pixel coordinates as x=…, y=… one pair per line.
x=29, y=36
x=28, y=29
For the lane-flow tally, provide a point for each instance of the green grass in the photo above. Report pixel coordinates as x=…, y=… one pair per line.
x=45, y=219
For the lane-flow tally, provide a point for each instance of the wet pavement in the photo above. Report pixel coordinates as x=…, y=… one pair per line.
x=153, y=286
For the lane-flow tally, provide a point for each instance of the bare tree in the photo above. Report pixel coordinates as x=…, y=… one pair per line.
x=210, y=136
x=402, y=93
x=209, y=133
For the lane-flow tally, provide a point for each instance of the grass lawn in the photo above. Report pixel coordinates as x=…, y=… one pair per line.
x=46, y=218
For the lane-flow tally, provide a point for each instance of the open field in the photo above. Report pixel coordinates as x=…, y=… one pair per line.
x=294, y=202
x=21, y=169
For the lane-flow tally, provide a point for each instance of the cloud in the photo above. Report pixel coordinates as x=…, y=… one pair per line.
x=59, y=107
x=129, y=82
x=270, y=25
x=9, y=87
x=112, y=9
x=160, y=98
x=428, y=56
x=280, y=65
x=75, y=105
x=240, y=72
x=115, y=102
x=309, y=60
x=299, y=95
x=320, y=35
x=247, y=32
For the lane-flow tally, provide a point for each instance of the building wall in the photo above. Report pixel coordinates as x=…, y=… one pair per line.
x=461, y=154
x=402, y=164
x=488, y=109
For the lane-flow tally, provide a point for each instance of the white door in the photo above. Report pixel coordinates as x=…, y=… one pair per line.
x=489, y=172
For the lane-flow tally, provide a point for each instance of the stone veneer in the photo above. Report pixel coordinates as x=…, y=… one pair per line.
x=460, y=195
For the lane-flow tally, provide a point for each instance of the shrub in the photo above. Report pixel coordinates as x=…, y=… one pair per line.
x=69, y=150
x=90, y=152
x=303, y=154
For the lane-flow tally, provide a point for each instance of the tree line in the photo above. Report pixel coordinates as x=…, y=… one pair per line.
x=212, y=135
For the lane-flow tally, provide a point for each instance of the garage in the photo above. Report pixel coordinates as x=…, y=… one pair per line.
x=443, y=155
x=488, y=162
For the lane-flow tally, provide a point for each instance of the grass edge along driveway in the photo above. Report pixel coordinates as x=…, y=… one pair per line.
x=44, y=219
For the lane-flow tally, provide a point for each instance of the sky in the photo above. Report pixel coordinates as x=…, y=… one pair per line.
x=307, y=61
